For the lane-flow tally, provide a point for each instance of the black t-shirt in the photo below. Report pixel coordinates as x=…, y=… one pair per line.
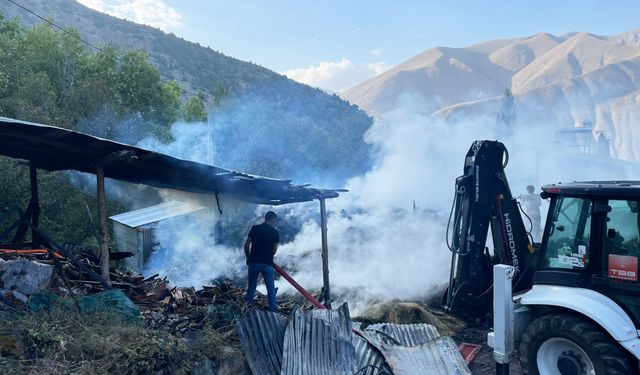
x=263, y=239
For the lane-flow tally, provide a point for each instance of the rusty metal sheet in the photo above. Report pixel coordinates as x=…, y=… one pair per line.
x=262, y=334
x=318, y=342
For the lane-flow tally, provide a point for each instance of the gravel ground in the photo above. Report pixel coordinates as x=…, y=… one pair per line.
x=476, y=333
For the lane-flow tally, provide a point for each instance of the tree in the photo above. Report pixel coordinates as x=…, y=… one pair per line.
x=194, y=109
x=508, y=112
x=220, y=93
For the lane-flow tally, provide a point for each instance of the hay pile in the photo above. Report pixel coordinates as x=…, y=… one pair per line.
x=409, y=313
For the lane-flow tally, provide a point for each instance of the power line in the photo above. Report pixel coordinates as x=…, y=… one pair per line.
x=83, y=40
x=57, y=27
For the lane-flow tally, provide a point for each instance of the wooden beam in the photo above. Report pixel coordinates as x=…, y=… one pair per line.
x=104, y=231
x=35, y=204
x=326, y=293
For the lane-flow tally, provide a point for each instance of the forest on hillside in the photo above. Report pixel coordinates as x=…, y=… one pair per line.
x=275, y=127
x=48, y=76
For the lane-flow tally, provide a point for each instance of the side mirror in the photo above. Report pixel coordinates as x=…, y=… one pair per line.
x=611, y=233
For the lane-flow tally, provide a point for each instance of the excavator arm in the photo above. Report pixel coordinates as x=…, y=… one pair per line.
x=483, y=202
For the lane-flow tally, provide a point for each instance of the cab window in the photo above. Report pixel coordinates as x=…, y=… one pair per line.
x=569, y=234
x=620, y=240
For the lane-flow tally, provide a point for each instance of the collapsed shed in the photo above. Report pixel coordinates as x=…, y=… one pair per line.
x=52, y=148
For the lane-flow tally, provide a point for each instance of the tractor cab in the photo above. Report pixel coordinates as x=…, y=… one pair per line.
x=591, y=240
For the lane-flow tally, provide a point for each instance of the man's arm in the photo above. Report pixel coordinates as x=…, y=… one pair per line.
x=275, y=246
x=247, y=247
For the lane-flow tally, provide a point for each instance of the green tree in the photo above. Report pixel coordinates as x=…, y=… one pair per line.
x=194, y=110
x=220, y=93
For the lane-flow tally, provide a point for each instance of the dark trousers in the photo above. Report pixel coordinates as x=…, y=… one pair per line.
x=269, y=281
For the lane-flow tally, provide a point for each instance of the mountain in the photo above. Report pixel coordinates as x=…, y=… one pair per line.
x=562, y=80
x=306, y=128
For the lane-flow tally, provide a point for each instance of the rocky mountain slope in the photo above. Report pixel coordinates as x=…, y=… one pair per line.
x=563, y=80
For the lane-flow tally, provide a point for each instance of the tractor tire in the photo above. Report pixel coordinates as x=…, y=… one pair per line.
x=563, y=344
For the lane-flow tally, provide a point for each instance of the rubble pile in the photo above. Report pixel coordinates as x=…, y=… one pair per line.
x=154, y=322
x=176, y=310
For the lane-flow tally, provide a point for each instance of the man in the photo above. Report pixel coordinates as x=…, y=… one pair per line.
x=532, y=203
x=259, y=248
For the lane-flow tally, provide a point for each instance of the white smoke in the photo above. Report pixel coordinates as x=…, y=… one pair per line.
x=380, y=247
x=187, y=251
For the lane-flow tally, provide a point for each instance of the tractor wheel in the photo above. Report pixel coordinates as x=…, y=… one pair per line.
x=563, y=344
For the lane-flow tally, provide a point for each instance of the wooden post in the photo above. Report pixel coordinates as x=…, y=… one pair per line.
x=326, y=293
x=104, y=231
x=35, y=203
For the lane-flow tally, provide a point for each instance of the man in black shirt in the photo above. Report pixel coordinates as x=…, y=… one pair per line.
x=259, y=248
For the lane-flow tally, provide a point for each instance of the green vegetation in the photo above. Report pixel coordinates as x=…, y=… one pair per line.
x=194, y=110
x=64, y=207
x=64, y=341
x=48, y=76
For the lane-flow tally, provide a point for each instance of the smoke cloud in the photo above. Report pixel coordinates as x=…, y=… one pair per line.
x=382, y=245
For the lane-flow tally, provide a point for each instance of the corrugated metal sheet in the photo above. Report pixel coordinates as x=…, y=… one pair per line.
x=155, y=213
x=370, y=359
x=415, y=349
x=439, y=357
x=262, y=335
x=127, y=241
x=318, y=342
x=404, y=334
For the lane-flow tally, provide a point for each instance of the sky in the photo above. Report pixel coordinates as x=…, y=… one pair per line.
x=335, y=44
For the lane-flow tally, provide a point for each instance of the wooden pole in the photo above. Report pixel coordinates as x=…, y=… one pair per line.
x=326, y=293
x=35, y=203
x=104, y=232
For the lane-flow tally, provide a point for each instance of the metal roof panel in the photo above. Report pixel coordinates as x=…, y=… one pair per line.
x=318, y=342
x=262, y=334
x=155, y=213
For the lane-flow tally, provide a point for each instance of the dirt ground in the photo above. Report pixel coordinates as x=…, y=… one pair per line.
x=476, y=333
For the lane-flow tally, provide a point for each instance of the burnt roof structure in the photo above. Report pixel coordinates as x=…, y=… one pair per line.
x=52, y=148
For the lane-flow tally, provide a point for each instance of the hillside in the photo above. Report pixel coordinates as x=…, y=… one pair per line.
x=559, y=80
x=314, y=122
